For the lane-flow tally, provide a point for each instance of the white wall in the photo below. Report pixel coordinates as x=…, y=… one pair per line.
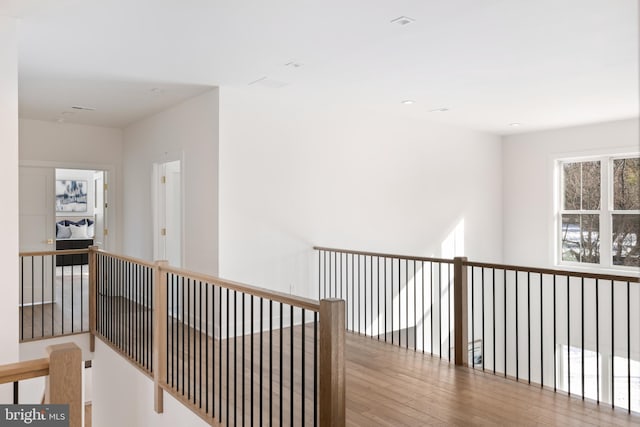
x=9, y=179
x=186, y=132
x=528, y=182
x=294, y=174
x=66, y=145
x=37, y=349
x=126, y=399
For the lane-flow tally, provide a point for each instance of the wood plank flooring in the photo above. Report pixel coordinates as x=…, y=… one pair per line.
x=243, y=378
x=386, y=385
x=67, y=314
x=390, y=386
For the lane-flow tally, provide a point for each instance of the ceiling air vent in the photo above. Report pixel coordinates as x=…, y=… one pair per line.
x=267, y=82
x=402, y=20
x=80, y=107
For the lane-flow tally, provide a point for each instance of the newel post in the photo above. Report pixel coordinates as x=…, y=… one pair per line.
x=332, y=363
x=64, y=383
x=460, y=307
x=93, y=278
x=159, y=335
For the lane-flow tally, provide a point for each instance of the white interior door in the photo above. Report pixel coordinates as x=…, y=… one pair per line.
x=37, y=209
x=168, y=213
x=37, y=231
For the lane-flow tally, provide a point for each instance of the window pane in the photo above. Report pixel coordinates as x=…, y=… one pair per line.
x=581, y=238
x=581, y=186
x=626, y=229
x=571, y=238
x=590, y=185
x=590, y=229
x=626, y=188
x=571, y=184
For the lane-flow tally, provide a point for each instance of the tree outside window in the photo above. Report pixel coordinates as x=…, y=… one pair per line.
x=625, y=217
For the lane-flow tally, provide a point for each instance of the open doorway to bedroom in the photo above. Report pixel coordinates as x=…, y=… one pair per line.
x=81, y=208
x=62, y=212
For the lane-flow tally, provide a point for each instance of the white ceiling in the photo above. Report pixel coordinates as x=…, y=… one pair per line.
x=544, y=63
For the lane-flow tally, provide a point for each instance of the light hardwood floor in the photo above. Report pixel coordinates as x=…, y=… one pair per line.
x=390, y=386
x=67, y=314
x=386, y=386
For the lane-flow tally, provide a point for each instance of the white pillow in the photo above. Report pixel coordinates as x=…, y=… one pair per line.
x=91, y=231
x=78, y=231
x=63, y=231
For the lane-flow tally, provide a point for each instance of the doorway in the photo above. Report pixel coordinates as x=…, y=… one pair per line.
x=82, y=200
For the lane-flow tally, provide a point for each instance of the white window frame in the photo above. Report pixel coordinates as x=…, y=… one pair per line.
x=605, y=212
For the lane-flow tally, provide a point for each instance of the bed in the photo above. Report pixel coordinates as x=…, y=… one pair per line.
x=74, y=233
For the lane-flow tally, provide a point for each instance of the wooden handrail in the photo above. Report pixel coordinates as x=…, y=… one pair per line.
x=276, y=296
x=24, y=370
x=125, y=258
x=60, y=252
x=614, y=277
x=382, y=255
x=585, y=275
x=295, y=301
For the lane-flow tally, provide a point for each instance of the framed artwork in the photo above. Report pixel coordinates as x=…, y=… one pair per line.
x=71, y=196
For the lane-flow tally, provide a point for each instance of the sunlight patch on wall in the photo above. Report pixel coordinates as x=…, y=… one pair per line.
x=453, y=244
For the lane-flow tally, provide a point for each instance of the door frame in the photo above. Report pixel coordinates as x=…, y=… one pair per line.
x=157, y=199
x=114, y=193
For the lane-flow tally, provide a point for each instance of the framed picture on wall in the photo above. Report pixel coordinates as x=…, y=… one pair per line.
x=71, y=196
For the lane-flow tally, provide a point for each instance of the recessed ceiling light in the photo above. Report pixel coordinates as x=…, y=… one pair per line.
x=408, y=102
x=439, y=110
x=515, y=125
x=402, y=20
x=80, y=107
